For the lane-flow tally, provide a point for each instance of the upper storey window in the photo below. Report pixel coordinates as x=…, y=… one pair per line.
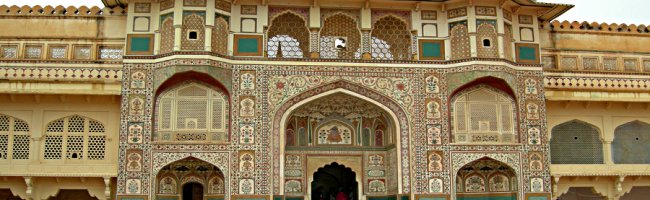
x=288, y=37
x=192, y=113
x=483, y=115
x=14, y=138
x=75, y=138
x=391, y=39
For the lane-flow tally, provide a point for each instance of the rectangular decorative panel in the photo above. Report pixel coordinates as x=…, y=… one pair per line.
x=82, y=52
x=194, y=3
x=110, y=52
x=140, y=44
x=630, y=64
x=9, y=51
x=222, y=5
x=537, y=196
x=166, y=4
x=507, y=15
x=57, y=52
x=527, y=53
x=457, y=12
x=486, y=11
x=525, y=19
x=610, y=64
x=249, y=9
x=646, y=65
x=248, y=45
x=33, y=51
x=432, y=49
x=590, y=63
x=429, y=15
x=569, y=63
x=142, y=8
x=549, y=62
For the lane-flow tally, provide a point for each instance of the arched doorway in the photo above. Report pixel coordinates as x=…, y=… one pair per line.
x=190, y=179
x=192, y=191
x=334, y=181
x=486, y=179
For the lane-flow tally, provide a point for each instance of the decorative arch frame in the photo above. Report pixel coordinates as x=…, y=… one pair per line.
x=510, y=159
x=390, y=106
x=161, y=159
x=353, y=18
x=553, y=126
x=272, y=19
x=411, y=46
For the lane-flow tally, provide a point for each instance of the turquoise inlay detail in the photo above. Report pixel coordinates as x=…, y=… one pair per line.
x=140, y=44
x=527, y=53
x=431, y=49
x=434, y=198
x=487, y=198
x=537, y=198
x=247, y=45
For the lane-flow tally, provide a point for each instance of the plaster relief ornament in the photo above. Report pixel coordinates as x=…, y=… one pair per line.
x=134, y=162
x=292, y=186
x=135, y=134
x=531, y=86
x=334, y=133
x=433, y=134
x=435, y=185
x=246, y=186
x=138, y=80
x=133, y=186
x=432, y=84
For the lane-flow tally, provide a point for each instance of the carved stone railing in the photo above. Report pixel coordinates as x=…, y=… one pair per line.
x=60, y=11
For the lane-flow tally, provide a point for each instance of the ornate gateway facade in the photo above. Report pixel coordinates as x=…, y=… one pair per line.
x=302, y=99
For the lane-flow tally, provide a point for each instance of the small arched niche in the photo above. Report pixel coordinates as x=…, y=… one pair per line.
x=487, y=178
x=190, y=178
x=339, y=120
x=334, y=180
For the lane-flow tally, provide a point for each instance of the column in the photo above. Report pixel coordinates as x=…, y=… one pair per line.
x=178, y=24
x=501, y=32
x=209, y=24
x=471, y=29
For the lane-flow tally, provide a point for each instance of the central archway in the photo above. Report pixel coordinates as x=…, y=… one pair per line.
x=488, y=179
x=190, y=179
x=334, y=180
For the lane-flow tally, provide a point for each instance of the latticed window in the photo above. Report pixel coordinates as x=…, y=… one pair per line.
x=288, y=37
x=630, y=144
x=14, y=138
x=75, y=138
x=576, y=142
x=192, y=112
x=483, y=115
x=391, y=40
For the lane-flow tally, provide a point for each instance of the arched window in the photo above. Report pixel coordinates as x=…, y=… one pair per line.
x=288, y=37
x=630, y=145
x=460, y=45
x=192, y=112
x=75, y=138
x=14, y=138
x=391, y=39
x=580, y=139
x=345, y=29
x=483, y=115
x=487, y=32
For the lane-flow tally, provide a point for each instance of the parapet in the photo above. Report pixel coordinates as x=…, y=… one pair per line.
x=596, y=27
x=61, y=11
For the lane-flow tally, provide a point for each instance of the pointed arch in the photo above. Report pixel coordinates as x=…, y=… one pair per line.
x=17, y=132
x=288, y=36
x=478, y=178
x=630, y=145
x=580, y=138
x=339, y=25
x=167, y=33
x=396, y=112
x=193, y=22
x=394, y=32
x=84, y=139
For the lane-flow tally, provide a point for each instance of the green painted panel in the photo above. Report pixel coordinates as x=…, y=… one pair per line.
x=140, y=44
x=487, y=198
x=247, y=45
x=527, y=53
x=277, y=197
x=405, y=198
x=537, y=198
x=293, y=198
x=431, y=49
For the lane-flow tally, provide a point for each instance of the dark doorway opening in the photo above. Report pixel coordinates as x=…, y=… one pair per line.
x=193, y=191
x=334, y=181
x=73, y=194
